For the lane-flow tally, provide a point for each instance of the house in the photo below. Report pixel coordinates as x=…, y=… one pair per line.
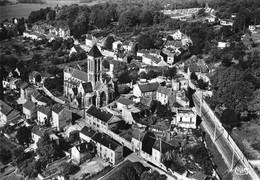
x=116, y=45
x=159, y=149
x=61, y=116
x=147, y=146
x=37, y=133
x=153, y=60
x=64, y=32
x=180, y=83
x=226, y=22
x=8, y=114
x=102, y=120
x=145, y=89
x=129, y=45
x=30, y=110
x=26, y=90
x=74, y=49
x=137, y=138
x=35, y=77
x=87, y=134
x=38, y=98
x=108, y=149
x=164, y=94
x=122, y=102
x=223, y=45
x=186, y=118
x=43, y=115
x=90, y=40
x=78, y=153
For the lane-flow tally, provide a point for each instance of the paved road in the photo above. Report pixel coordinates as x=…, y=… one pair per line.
x=220, y=141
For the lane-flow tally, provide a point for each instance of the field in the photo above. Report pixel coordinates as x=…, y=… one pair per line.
x=247, y=138
x=23, y=10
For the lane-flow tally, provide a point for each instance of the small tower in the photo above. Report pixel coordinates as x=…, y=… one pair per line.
x=94, y=65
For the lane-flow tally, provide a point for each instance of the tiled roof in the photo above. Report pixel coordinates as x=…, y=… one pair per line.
x=148, y=87
x=148, y=142
x=29, y=105
x=57, y=108
x=34, y=74
x=137, y=134
x=100, y=114
x=125, y=101
x=38, y=130
x=88, y=132
x=106, y=141
x=94, y=52
x=153, y=58
x=81, y=75
x=163, y=146
x=89, y=37
x=87, y=87
x=194, y=68
x=24, y=85
x=44, y=110
x=164, y=90
x=5, y=108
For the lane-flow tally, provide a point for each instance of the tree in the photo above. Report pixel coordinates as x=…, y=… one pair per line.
x=146, y=18
x=69, y=168
x=151, y=74
x=18, y=154
x=193, y=76
x=254, y=104
x=201, y=12
x=106, y=64
x=202, y=84
x=127, y=19
x=171, y=72
x=23, y=135
x=229, y=119
x=124, y=78
x=143, y=75
x=109, y=42
x=123, y=89
x=145, y=41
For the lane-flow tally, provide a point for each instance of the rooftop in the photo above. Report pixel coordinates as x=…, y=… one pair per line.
x=99, y=113
x=88, y=132
x=164, y=90
x=95, y=52
x=57, y=108
x=28, y=105
x=125, y=101
x=106, y=141
x=148, y=87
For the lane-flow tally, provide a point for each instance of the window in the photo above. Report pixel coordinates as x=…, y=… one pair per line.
x=180, y=119
x=190, y=119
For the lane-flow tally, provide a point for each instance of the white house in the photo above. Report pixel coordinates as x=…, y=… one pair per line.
x=26, y=90
x=90, y=40
x=43, y=115
x=186, y=118
x=137, y=138
x=101, y=120
x=153, y=60
x=116, y=45
x=164, y=94
x=78, y=152
x=145, y=89
x=226, y=22
x=30, y=110
x=123, y=103
x=223, y=45
x=61, y=116
x=108, y=149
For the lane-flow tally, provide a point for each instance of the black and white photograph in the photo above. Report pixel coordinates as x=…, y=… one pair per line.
x=129, y=89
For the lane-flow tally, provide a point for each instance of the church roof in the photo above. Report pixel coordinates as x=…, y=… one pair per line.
x=80, y=75
x=100, y=114
x=95, y=52
x=87, y=87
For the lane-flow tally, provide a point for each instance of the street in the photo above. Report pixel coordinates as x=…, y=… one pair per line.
x=224, y=147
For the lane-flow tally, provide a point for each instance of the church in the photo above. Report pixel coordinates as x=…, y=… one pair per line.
x=86, y=88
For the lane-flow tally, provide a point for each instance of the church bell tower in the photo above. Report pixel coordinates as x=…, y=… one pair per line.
x=94, y=60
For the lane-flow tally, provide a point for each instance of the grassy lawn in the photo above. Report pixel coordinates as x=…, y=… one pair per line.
x=247, y=137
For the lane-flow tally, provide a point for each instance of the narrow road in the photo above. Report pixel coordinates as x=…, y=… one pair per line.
x=216, y=132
